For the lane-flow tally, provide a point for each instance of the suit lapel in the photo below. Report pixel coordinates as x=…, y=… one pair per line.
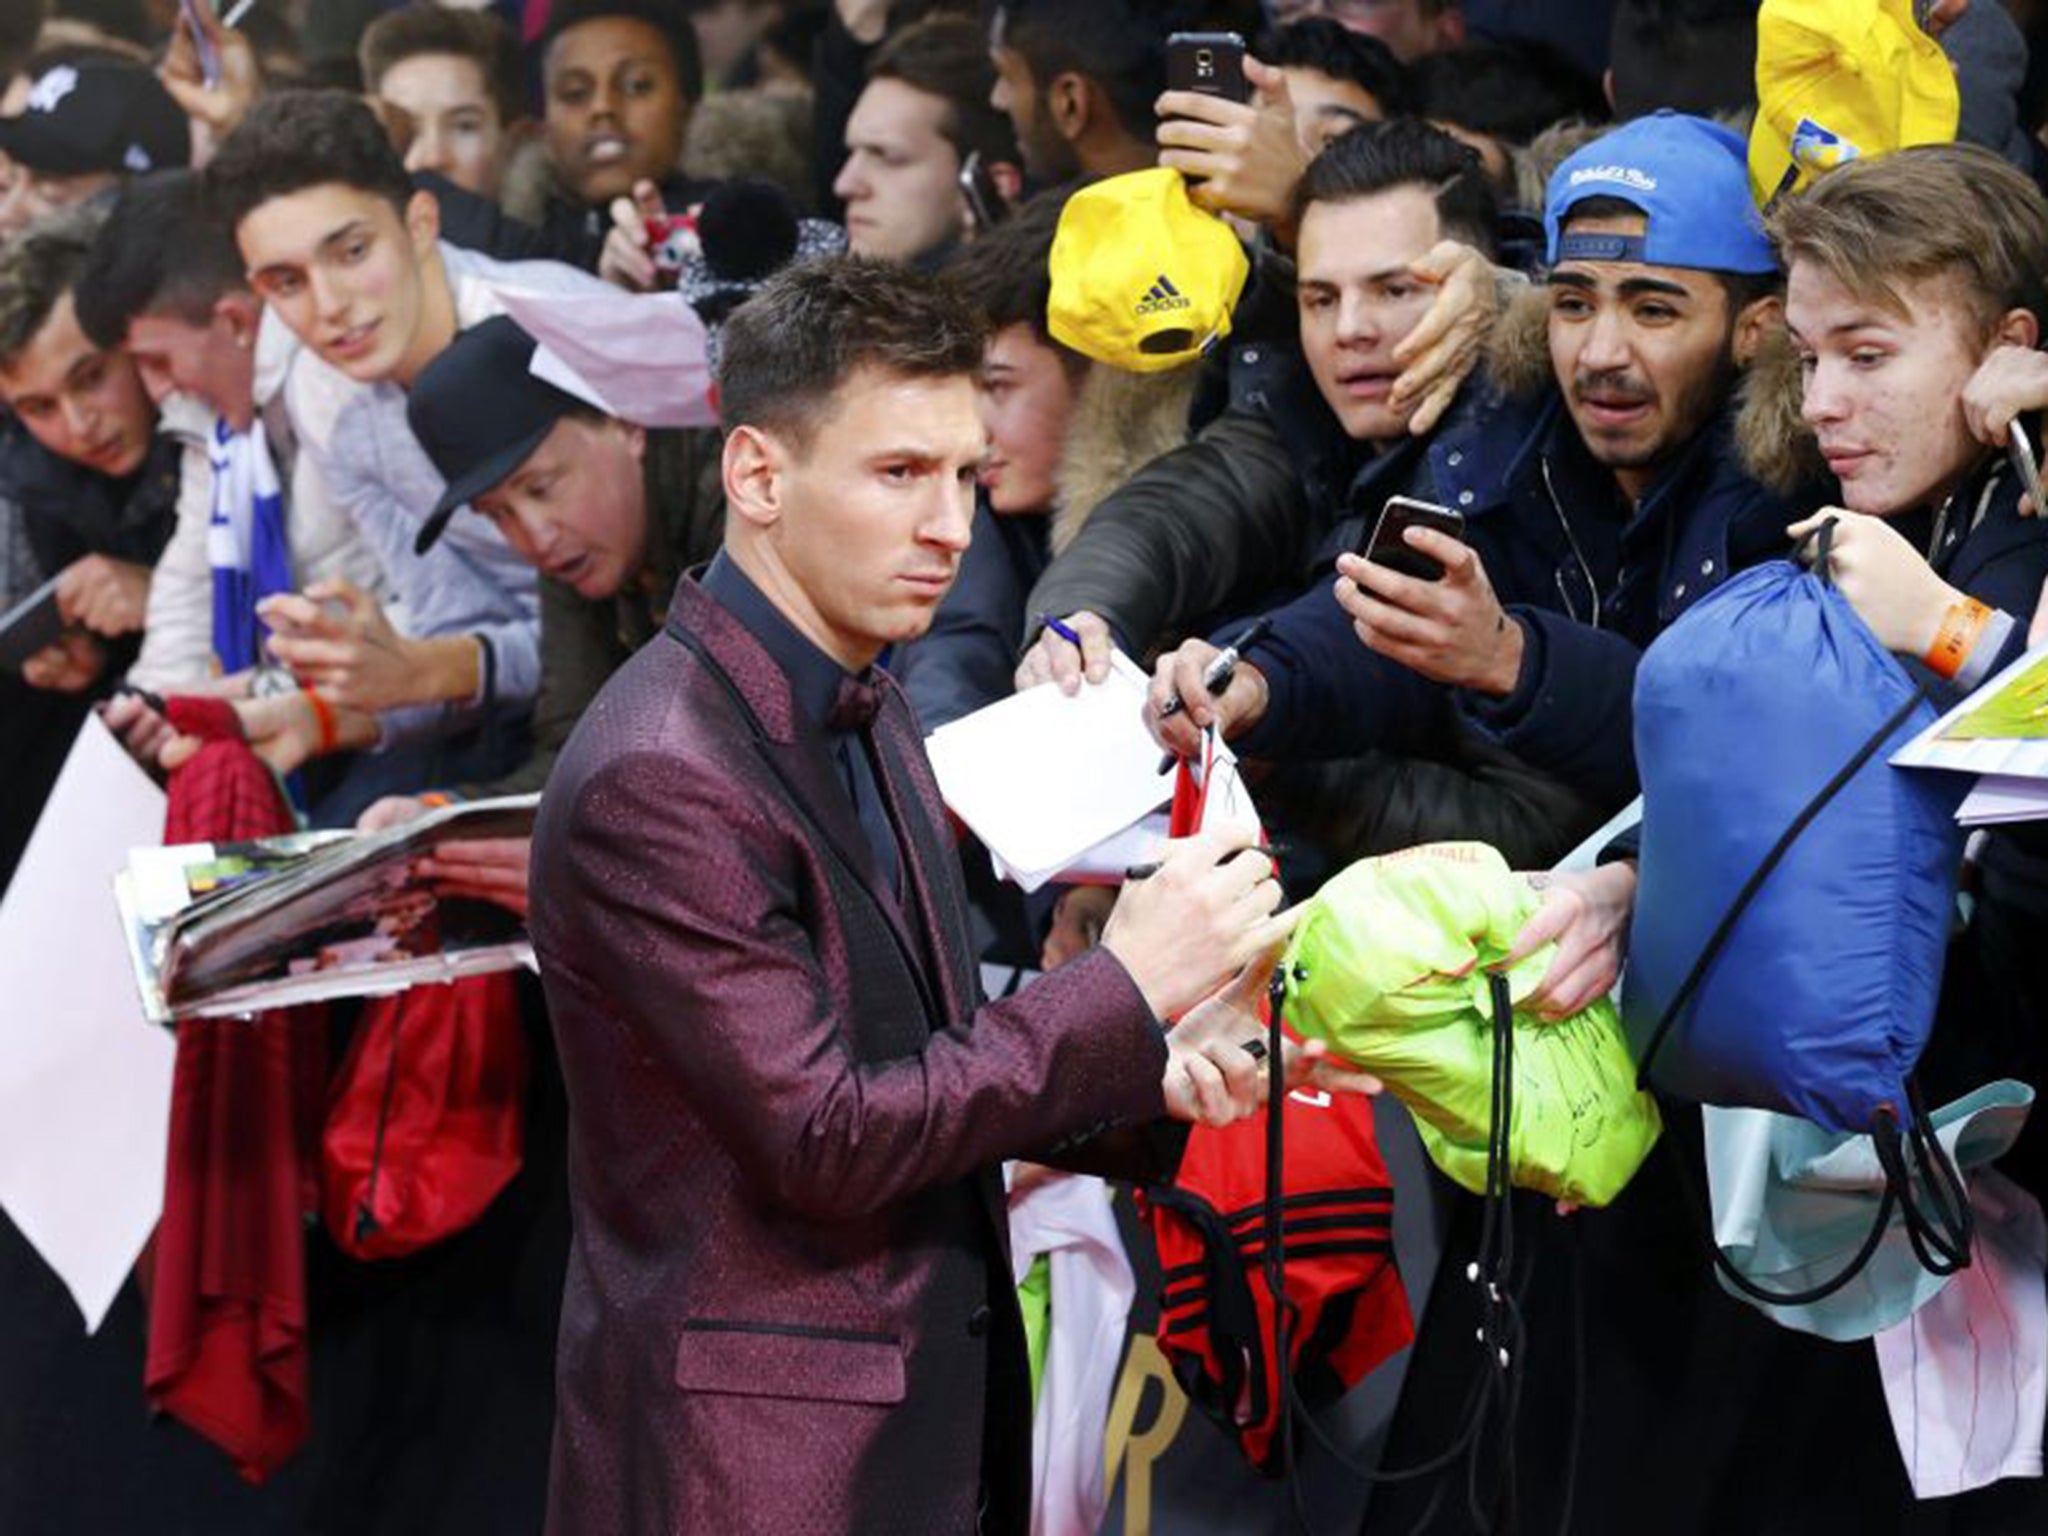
x=929, y=880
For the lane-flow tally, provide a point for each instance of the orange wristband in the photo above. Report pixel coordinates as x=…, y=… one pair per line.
x=1957, y=637
x=323, y=716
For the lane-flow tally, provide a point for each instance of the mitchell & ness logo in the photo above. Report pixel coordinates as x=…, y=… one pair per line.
x=1161, y=297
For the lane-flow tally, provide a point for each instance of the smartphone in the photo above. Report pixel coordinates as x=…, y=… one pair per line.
x=985, y=204
x=1388, y=545
x=1209, y=62
x=2024, y=464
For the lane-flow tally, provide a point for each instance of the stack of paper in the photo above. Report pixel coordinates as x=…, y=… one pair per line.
x=2000, y=732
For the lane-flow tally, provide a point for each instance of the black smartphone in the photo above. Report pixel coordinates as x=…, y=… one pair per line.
x=1389, y=546
x=985, y=205
x=1209, y=62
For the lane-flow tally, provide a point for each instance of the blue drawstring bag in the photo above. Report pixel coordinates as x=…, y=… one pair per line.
x=1792, y=907
x=1795, y=890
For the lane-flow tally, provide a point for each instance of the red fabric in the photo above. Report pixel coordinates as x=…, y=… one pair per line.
x=227, y=1304
x=1216, y=1311
x=441, y=1071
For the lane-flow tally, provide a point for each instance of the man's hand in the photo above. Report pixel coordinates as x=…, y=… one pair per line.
x=71, y=663
x=1586, y=915
x=219, y=107
x=391, y=811
x=1054, y=659
x=336, y=637
x=483, y=869
x=1452, y=631
x=284, y=730
x=1239, y=157
x=1438, y=355
x=1205, y=914
x=1078, y=918
x=1178, y=675
x=2009, y=382
x=139, y=727
x=105, y=595
x=1216, y=1068
x=627, y=259
x=1892, y=589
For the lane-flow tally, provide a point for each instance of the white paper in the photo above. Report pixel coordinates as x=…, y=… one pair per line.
x=638, y=356
x=1041, y=777
x=1998, y=799
x=85, y=1082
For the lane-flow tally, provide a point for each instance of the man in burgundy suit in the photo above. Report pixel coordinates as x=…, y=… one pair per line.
x=788, y=1306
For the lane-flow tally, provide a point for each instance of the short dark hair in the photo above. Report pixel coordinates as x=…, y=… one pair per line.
x=1375, y=157
x=668, y=17
x=20, y=24
x=1119, y=44
x=293, y=140
x=38, y=267
x=163, y=250
x=478, y=36
x=1510, y=90
x=947, y=57
x=789, y=348
x=1006, y=274
x=1331, y=48
x=1696, y=56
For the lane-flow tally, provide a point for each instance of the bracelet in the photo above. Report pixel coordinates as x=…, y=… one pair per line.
x=323, y=716
x=1961, y=624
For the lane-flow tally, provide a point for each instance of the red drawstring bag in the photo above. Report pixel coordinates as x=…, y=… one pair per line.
x=1350, y=1310
x=427, y=1115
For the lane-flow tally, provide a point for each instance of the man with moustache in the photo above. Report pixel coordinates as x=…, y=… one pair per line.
x=1621, y=504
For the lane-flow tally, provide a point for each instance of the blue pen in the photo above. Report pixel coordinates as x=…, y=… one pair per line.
x=1066, y=632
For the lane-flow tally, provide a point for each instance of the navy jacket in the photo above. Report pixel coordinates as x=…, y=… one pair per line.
x=1590, y=581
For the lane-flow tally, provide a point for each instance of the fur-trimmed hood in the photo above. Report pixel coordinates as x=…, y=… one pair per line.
x=1122, y=421
x=1775, y=445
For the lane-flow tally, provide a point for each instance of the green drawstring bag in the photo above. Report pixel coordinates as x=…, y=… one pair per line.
x=1390, y=966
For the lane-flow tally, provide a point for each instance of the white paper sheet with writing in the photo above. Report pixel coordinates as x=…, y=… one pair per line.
x=85, y=1081
x=1041, y=777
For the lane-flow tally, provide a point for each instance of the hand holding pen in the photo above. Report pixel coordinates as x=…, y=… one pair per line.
x=1068, y=652
x=1199, y=686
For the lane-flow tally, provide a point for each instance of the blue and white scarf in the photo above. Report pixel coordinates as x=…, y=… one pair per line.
x=245, y=542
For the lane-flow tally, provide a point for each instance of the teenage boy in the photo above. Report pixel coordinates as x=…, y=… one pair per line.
x=1586, y=533
x=90, y=482
x=452, y=86
x=619, y=81
x=924, y=112
x=165, y=285
x=342, y=248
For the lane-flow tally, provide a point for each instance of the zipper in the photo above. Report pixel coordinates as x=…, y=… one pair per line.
x=1578, y=554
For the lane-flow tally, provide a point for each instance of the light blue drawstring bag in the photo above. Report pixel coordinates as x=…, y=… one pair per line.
x=1793, y=1203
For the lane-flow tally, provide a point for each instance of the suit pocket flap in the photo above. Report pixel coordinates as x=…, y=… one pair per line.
x=789, y=1360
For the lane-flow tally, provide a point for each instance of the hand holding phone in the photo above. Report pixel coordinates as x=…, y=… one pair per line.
x=1388, y=544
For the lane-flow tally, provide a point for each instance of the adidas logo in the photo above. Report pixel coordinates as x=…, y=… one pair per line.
x=1161, y=297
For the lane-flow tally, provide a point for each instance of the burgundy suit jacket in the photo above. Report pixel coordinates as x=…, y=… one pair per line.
x=788, y=1307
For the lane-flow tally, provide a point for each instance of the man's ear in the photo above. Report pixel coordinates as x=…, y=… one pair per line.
x=636, y=440
x=1759, y=320
x=241, y=312
x=423, y=222
x=1069, y=103
x=2018, y=328
x=753, y=476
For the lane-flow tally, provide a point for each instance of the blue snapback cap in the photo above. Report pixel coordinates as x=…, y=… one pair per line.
x=1690, y=177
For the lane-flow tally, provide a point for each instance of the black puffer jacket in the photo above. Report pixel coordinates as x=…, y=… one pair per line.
x=1251, y=514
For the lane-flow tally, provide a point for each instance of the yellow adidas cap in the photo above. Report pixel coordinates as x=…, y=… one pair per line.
x=1840, y=80
x=1142, y=279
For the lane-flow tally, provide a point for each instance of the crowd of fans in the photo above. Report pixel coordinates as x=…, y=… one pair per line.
x=268, y=423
